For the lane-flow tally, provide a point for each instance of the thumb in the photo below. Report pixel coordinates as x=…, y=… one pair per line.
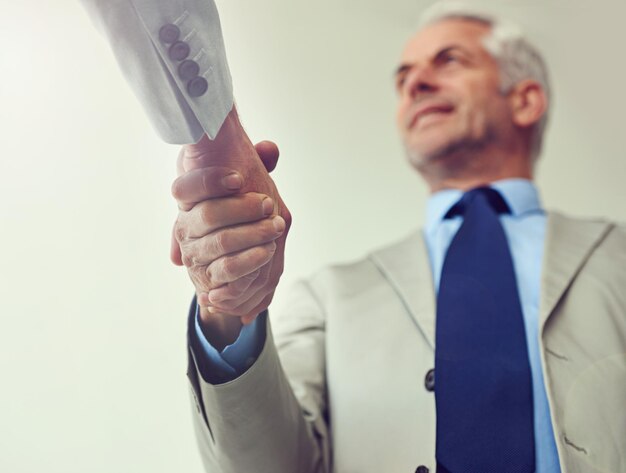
x=268, y=152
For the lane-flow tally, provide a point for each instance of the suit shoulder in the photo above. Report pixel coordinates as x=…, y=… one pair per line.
x=555, y=214
x=613, y=230
x=604, y=240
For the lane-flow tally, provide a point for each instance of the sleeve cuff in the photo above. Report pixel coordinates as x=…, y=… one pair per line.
x=234, y=359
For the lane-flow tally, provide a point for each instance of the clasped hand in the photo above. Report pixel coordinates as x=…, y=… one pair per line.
x=230, y=234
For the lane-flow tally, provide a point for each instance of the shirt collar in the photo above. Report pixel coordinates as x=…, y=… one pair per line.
x=521, y=195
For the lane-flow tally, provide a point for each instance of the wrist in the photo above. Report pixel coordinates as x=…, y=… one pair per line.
x=219, y=330
x=231, y=140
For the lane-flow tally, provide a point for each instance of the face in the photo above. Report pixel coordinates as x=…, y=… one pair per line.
x=449, y=99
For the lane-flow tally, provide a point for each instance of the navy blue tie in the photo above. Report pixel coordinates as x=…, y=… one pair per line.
x=483, y=386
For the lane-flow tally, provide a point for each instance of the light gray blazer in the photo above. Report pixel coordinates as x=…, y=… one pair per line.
x=339, y=385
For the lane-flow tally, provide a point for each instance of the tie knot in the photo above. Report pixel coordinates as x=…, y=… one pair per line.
x=484, y=195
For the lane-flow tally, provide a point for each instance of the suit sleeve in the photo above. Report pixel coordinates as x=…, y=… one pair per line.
x=273, y=418
x=171, y=53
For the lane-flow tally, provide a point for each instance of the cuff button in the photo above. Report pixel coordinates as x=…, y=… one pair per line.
x=197, y=86
x=188, y=69
x=179, y=51
x=169, y=33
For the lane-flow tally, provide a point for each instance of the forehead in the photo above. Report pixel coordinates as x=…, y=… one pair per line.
x=431, y=39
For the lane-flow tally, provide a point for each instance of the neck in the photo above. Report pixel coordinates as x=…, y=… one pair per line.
x=465, y=183
x=468, y=171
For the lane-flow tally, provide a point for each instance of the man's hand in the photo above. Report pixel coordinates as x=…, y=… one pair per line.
x=231, y=229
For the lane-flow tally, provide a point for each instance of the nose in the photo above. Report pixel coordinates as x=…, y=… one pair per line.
x=419, y=80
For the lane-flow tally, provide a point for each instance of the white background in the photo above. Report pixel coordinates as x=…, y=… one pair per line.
x=92, y=313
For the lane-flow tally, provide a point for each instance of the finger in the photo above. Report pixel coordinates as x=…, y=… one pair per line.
x=253, y=306
x=232, y=290
x=211, y=215
x=268, y=152
x=175, y=254
x=226, y=299
x=232, y=267
x=205, y=183
x=203, y=251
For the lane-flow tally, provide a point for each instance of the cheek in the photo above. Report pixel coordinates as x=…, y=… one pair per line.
x=481, y=110
x=401, y=110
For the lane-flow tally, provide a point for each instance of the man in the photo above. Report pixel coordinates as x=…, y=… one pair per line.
x=354, y=389
x=354, y=392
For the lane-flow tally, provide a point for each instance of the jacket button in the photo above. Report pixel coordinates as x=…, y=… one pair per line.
x=179, y=51
x=188, y=69
x=169, y=33
x=197, y=86
x=429, y=380
x=421, y=469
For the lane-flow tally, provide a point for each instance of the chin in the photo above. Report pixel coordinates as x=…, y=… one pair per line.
x=442, y=157
x=424, y=152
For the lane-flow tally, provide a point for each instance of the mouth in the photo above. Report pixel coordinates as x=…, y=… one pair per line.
x=428, y=113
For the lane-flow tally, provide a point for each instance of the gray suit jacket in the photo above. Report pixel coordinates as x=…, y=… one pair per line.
x=339, y=385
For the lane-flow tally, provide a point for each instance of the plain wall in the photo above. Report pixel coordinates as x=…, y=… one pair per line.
x=92, y=313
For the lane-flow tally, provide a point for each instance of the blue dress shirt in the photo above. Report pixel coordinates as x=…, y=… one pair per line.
x=525, y=229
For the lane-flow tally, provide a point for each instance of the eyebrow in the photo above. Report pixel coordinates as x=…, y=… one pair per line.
x=402, y=68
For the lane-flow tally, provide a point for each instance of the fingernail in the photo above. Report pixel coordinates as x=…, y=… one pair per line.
x=268, y=206
x=232, y=181
x=279, y=223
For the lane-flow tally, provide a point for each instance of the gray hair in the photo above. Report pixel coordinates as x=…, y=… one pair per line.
x=516, y=57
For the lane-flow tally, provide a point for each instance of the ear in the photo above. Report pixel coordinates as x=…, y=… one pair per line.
x=528, y=103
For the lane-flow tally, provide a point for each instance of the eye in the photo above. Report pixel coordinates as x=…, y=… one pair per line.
x=400, y=80
x=449, y=57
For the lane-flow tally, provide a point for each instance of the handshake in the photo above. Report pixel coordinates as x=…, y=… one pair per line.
x=231, y=228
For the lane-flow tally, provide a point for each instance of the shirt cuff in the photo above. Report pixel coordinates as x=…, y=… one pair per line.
x=236, y=358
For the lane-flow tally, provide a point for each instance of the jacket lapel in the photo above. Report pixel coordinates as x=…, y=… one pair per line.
x=406, y=266
x=569, y=242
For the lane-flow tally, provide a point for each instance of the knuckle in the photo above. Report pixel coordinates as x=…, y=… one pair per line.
x=254, y=201
x=196, y=274
x=209, y=275
x=220, y=243
x=180, y=233
x=188, y=260
x=228, y=266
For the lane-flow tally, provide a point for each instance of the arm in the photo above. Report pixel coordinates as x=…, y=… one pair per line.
x=254, y=423
x=273, y=419
x=183, y=101
x=258, y=421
